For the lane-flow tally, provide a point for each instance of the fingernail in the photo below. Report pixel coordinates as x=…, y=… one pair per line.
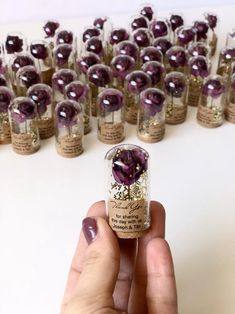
x=89, y=228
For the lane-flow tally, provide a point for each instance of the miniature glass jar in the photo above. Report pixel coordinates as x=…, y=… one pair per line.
x=127, y=180
x=24, y=129
x=105, y=25
x=6, y=98
x=50, y=28
x=184, y=36
x=111, y=118
x=150, y=53
x=65, y=37
x=26, y=77
x=199, y=68
x=15, y=42
x=211, y=107
x=100, y=77
x=139, y=21
x=198, y=49
x=142, y=37
x=69, y=128
x=79, y=92
x=226, y=58
x=43, y=60
x=116, y=36
x=160, y=28
x=148, y=11
x=91, y=31
x=212, y=37
x=135, y=83
x=176, y=20
x=41, y=94
x=151, y=116
x=84, y=63
x=121, y=65
x=97, y=46
x=162, y=44
x=60, y=79
x=176, y=59
x=230, y=106
x=156, y=71
x=201, y=29
x=63, y=57
x=128, y=48
x=176, y=93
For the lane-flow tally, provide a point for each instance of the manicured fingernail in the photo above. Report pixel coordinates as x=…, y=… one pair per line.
x=89, y=228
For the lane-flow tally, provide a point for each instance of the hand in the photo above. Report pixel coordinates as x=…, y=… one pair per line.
x=109, y=275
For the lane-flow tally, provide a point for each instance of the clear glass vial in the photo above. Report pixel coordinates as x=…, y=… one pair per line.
x=127, y=178
x=128, y=48
x=63, y=57
x=24, y=129
x=156, y=71
x=121, y=65
x=148, y=11
x=226, y=58
x=49, y=29
x=184, y=36
x=69, y=128
x=176, y=20
x=230, y=105
x=212, y=37
x=198, y=49
x=176, y=59
x=84, y=62
x=150, y=53
x=116, y=36
x=15, y=42
x=6, y=98
x=26, y=77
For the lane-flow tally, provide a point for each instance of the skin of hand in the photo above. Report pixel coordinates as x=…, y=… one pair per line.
x=110, y=275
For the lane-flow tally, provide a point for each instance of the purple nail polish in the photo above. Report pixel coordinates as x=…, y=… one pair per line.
x=89, y=228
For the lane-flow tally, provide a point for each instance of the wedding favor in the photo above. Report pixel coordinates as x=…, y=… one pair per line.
x=60, y=79
x=212, y=37
x=121, y=65
x=156, y=71
x=64, y=57
x=26, y=77
x=226, y=58
x=176, y=59
x=84, y=62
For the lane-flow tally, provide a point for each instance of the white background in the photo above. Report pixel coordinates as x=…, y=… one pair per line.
x=44, y=197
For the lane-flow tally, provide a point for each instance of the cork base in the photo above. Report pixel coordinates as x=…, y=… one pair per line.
x=148, y=139
x=209, y=118
x=131, y=235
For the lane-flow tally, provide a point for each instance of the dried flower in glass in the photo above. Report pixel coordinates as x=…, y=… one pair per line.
x=84, y=63
x=121, y=65
x=162, y=44
x=201, y=30
x=64, y=57
x=226, y=58
x=80, y=92
x=111, y=118
x=139, y=21
x=212, y=37
x=176, y=93
x=26, y=77
x=97, y=46
x=91, y=31
x=43, y=60
x=198, y=49
x=147, y=10
x=176, y=59
x=100, y=77
x=156, y=71
x=151, y=116
x=15, y=42
x=142, y=37
x=127, y=48
x=150, y=53
x=176, y=20
x=69, y=128
x=6, y=97
x=230, y=106
x=211, y=107
x=41, y=94
x=60, y=79
x=116, y=36
x=65, y=37
x=49, y=29
x=184, y=36
x=199, y=68
x=160, y=28
x=135, y=83
x=103, y=23
x=128, y=190
x=24, y=129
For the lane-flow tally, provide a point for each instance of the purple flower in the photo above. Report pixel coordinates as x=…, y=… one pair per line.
x=129, y=165
x=94, y=45
x=185, y=35
x=50, y=27
x=87, y=61
x=176, y=56
x=198, y=49
x=162, y=44
x=201, y=29
x=14, y=43
x=3, y=81
x=23, y=109
x=39, y=50
x=142, y=37
x=99, y=75
x=67, y=113
x=199, y=66
x=110, y=100
x=175, y=84
x=62, y=53
x=155, y=70
x=211, y=20
x=139, y=22
x=28, y=76
x=228, y=53
x=89, y=33
x=137, y=81
x=21, y=60
x=152, y=101
x=76, y=91
x=147, y=11
x=150, y=53
x=41, y=94
x=6, y=97
x=117, y=35
x=62, y=78
x=176, y=21
x=214, y=86
x=128, y=48
x=64, y=37
x=100, y=21
x=159, y=28
x=122, y=65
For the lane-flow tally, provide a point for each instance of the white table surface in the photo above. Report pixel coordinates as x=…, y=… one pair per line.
x=44, y=198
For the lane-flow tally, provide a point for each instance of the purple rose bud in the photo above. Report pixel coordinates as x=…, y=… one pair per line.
x=67, y=113
x=152, y=101
x=28, y=76
x=199, y=66
x=62, y=53
x=62, y=78
x=22, y=109
x=176, y=21
x=228, y=54
x=177, y=56
x=100, y=21
x=162, y=44
x=198, y=49
x=185, y=35
x=214, y=86
x=90, y=32
x=50, y=27
x=99, y=75
x=155, y=70
x=233, y=81
x=86, y=61
x=148, y=12
x=14, y=43
x=118, y=35
x=110, y=100
x=201, y=29
x=20, y=60
x=3, y=81
x=139, y=22
x=137, y=81
x=175, y=84
x=211, y=20
x=159, y=28
x=76, y=91
x=6, y=97
x=39, y=50
x=64, y=37
x=142, y=37
x=129, y=165
x=94, y=45
x=122, y=65
x=41, y=94
x=150, y=53
x=128, y=48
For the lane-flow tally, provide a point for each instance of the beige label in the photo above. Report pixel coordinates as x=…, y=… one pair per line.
x=22, y=144
x=194, y=93
x=230, y=113
x=46, y=76
x=5, y=137
x=208, y=117
x=111, y=133
x=131, y=115
x=127, y=216
x=70, y=146
x=153, y=134
x=176, y=114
